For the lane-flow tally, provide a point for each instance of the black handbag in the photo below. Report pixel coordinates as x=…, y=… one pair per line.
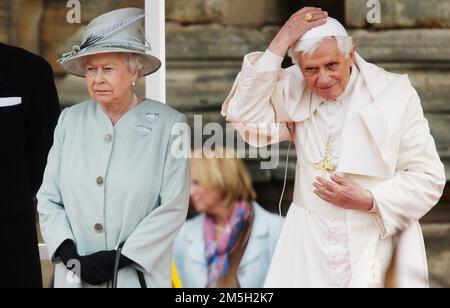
x=117, y=267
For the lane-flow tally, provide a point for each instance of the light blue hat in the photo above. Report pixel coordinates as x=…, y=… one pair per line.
x=117, y=31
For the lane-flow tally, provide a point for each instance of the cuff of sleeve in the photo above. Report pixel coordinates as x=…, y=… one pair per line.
x=270, y=61
x=377, y=218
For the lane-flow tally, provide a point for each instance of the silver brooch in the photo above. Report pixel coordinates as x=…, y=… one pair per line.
x=152, y=117
x=143, y=131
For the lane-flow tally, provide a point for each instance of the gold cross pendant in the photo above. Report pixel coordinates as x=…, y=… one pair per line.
x=326, y=165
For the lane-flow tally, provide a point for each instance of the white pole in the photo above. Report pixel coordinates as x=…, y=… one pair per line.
x=155, y=24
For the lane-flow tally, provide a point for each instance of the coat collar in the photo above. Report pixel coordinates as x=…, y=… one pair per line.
x=4, y=62
x=260, y=231
x=369, y=137
x=196, y=240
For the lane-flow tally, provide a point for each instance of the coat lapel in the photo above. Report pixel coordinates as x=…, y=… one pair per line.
x=383, y=120
x=195, y=254
x=300, y=104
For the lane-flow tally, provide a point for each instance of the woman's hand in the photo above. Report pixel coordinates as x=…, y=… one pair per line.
x=295, y=28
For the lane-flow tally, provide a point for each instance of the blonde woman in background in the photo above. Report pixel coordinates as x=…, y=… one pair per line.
x=230, y=244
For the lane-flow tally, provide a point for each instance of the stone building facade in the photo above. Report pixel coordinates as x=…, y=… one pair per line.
x=207, y=39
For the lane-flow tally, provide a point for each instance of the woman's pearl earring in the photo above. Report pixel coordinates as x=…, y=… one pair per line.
x=133, y=83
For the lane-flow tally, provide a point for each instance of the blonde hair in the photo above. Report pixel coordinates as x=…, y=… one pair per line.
x=228, y=175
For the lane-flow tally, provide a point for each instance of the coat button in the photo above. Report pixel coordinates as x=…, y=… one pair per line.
x=108, y=138
x=98, y=228
x=100, y=181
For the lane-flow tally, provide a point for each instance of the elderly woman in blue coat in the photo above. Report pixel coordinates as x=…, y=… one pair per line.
x=112, y=175
x=230, y=244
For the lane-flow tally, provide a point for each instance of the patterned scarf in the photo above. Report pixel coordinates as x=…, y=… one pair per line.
x=218, y=251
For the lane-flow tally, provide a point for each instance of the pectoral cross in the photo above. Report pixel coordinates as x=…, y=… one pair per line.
x=326, y=165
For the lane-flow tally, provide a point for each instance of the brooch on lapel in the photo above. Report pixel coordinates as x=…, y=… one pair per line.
x=152, y=117
x=143, y=131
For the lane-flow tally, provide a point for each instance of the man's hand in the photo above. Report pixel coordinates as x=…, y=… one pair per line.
x=344, y=193
x=295, y=28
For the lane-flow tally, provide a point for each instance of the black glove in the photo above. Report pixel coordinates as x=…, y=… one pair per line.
x=96, y=269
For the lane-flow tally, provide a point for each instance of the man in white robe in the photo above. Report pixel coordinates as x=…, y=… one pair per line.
x=367, y=168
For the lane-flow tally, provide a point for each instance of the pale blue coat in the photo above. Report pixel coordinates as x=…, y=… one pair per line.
x=144, y=197
x=189, y=251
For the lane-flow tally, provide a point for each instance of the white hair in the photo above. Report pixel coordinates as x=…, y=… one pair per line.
x=344, y=44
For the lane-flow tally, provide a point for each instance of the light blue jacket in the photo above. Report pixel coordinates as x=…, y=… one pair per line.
x=189, y=251
x=107, y=184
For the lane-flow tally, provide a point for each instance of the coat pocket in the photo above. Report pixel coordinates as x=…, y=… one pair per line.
x=10, y=101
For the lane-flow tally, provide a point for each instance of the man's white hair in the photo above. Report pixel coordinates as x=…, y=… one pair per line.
x=344, y=44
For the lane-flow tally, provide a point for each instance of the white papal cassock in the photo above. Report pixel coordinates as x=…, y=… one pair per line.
x=380, y=139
